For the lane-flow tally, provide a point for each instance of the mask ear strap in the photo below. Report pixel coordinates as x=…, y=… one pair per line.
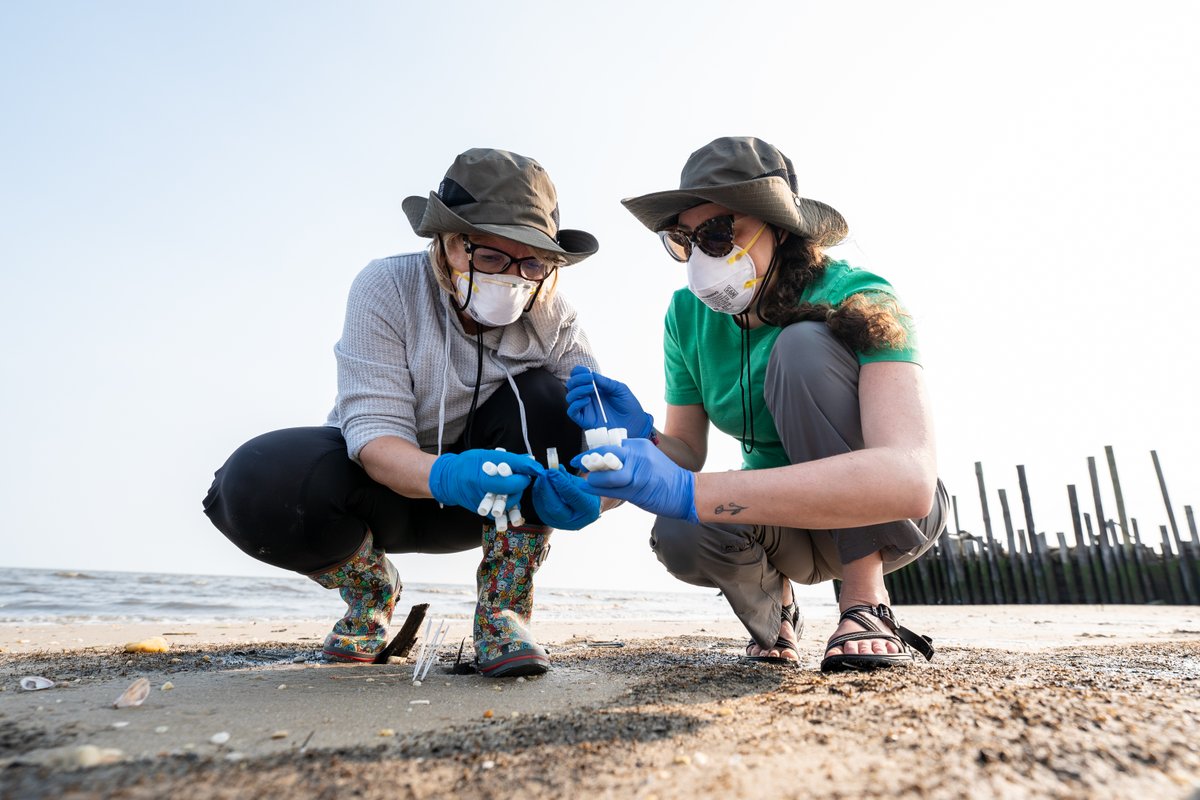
x=470, y=277
x=779, y=236
x=743, y=250
x=534, y=296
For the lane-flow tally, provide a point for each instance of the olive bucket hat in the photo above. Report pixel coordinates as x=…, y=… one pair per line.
x=501, y=193
x=746, y=175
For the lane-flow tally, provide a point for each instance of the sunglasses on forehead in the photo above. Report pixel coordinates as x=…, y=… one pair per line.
x=714, y=237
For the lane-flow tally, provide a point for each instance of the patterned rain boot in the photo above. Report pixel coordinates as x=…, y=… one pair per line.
x=370, y=586
x=503, y=644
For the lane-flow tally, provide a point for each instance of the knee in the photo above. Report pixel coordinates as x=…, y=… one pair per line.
x=696, y=553
x=803, y=353
x=672, y=541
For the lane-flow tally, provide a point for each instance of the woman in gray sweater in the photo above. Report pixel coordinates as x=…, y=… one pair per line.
x=447, y=356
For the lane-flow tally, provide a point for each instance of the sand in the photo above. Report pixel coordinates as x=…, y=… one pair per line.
x=1066, y=701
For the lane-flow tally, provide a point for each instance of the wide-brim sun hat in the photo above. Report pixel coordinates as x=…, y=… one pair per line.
x=745, y=175
x=501, y=193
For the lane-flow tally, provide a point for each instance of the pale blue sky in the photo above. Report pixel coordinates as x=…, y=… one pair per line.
x=188, y=189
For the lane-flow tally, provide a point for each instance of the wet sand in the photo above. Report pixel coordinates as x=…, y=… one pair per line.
x=1018, y=702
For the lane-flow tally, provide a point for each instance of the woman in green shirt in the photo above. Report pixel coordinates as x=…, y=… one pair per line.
x=813, y=365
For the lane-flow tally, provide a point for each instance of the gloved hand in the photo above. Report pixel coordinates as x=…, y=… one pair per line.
x=458, y=478
x=562, y=502
x=620, y=406
x=648, y=479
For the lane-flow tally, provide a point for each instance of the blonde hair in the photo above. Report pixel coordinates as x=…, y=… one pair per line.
x=443, y=273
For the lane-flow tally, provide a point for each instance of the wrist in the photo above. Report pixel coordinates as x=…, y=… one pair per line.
x=437, y=472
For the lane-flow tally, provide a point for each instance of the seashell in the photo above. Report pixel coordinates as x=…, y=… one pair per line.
x=387, y=732
x=418, y=702
x=123, y=723
x=161, y=729
x=168, y=686
x=32, y=683
x=87, y=755
x=135, y=695
x=219, y=738
x=155, y=644
x=279, y=735
x=489, y=714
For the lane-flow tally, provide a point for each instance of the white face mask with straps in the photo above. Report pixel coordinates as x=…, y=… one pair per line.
x=724, y=283
x=495, y=300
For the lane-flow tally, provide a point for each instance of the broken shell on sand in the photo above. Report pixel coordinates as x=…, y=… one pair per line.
x=155, y=644
x=135, y=695
x=32, y=683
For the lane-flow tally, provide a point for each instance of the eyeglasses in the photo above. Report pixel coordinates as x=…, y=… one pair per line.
x=492, y=261
x=713, y=236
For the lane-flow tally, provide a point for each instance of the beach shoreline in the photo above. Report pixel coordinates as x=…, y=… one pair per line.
x=1019, y=701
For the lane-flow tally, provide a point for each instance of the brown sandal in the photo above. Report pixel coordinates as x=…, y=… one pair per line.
x=880, y=623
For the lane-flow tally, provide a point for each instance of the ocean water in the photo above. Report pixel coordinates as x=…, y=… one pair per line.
x=45, y=596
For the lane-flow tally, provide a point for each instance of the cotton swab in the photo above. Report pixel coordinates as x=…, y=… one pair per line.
x=421, y=652
x=437, y=642
x=596, y=389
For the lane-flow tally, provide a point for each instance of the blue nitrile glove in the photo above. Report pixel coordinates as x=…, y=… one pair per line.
x=648, y=479
x=562, y=502
x=620, y=406
x=458, y=478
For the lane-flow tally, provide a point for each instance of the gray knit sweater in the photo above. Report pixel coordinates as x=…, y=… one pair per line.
x=392, y=355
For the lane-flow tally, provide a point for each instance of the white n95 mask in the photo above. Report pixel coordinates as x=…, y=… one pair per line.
x=495, y=300
x=724, y=283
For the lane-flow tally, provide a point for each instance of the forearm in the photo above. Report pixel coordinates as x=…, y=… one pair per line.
x=399, y=465
x=865, y=487
x=681, y=452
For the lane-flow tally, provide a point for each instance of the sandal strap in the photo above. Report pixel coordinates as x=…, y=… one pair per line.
x=858, y=636
x=791, y=613
x=866, y=616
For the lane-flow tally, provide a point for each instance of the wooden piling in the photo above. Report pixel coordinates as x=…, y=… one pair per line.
x=1014, y=561
x=1089, y=578
x=1132, y=566
x=1112, y=556
x=1142, y=561
x=1103, y=562
x=1186, y=570
x=1045, y=590
x=1073, y=593
x=1000, y=592
x=1168, y=567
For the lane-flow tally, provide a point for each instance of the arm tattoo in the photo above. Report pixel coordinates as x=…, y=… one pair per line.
x=732, y=509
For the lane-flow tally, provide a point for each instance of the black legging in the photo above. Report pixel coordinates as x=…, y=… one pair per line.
x=294, y=499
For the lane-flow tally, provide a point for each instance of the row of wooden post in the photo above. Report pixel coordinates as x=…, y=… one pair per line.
x=1109, y=562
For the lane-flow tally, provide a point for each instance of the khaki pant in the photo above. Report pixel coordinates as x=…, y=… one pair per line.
x=811, y=390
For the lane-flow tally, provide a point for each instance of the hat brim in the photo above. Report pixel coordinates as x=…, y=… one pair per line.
x=768, y=199
x=429, y=216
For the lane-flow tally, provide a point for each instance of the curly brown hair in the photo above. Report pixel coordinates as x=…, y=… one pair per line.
x=863, y=322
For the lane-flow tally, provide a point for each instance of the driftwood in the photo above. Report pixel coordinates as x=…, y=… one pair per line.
x=403, y=642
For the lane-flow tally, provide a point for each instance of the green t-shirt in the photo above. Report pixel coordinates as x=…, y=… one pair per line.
x=702, y=358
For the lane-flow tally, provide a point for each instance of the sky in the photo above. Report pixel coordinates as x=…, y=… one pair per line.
x=187, y=191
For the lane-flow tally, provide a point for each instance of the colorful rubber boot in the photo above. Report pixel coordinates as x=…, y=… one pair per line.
x=370, y=586
x=503, y=644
